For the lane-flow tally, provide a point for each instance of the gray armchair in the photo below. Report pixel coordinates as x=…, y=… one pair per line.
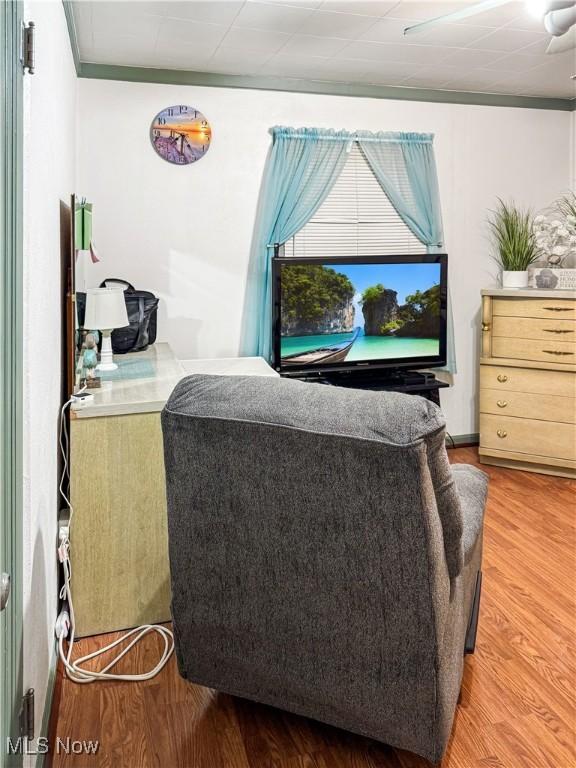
x=325, y=556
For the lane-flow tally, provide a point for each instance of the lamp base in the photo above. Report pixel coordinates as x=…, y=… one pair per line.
x=106, y=359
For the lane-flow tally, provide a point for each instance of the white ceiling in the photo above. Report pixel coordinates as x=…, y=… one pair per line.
x=354, y=41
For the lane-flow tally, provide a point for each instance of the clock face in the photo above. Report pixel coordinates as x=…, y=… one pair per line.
x=180, y=134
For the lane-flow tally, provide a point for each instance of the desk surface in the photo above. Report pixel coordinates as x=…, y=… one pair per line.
x=230, y=366
x=150, y=393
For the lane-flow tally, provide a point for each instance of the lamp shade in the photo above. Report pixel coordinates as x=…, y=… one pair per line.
x=105, y=309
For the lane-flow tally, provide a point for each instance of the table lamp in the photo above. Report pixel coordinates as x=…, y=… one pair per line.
x=105, y=310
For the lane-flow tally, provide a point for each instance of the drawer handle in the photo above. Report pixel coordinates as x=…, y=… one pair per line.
x=485, y=326
x=501, y=433
x=556, y=352
x=556, y=330
x=502, y=377
x=502, y=403
x=558, y=309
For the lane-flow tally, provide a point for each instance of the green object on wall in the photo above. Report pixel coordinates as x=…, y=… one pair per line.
x=83, y=226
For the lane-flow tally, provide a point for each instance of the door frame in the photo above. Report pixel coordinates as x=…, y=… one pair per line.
x=11, y=378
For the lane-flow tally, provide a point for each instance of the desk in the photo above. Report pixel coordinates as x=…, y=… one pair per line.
x=119, y=542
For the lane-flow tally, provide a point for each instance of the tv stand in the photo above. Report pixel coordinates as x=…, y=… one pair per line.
x=410, y=382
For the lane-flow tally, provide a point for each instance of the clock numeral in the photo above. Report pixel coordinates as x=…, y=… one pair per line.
x=156, y=132
x=161, y=121
x=183, y=109
x=170, y=111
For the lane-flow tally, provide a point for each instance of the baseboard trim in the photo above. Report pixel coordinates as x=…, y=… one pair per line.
x=461, y=441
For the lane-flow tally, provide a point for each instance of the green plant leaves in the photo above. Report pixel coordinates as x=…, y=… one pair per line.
x=513, y=237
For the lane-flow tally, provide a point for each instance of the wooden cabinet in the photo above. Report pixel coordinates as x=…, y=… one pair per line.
x=119, y=535
x=119, y=550
x=528, y=380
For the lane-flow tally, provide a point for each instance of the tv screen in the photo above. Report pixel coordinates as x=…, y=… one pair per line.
x=338, y=314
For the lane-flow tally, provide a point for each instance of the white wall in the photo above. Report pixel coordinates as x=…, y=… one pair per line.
x=49, y=176
x=185, y=232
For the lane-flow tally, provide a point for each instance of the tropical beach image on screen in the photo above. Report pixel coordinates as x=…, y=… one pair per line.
x=359, y=312
x=180, y=134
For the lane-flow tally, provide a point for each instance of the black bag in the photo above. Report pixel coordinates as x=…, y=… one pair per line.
x=142, y=309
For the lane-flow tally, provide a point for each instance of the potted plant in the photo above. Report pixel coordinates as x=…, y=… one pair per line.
x=515, y=242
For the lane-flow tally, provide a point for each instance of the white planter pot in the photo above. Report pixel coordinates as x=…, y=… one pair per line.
x=514, y=279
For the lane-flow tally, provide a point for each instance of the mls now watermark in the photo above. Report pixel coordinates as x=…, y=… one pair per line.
x=66, y=746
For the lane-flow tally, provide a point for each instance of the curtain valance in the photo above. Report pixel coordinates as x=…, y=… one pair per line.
x=329, y=134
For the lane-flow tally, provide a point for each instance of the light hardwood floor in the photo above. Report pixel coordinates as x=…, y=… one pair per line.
x=517, y=707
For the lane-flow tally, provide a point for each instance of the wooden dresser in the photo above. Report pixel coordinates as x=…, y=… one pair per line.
x=528, y=380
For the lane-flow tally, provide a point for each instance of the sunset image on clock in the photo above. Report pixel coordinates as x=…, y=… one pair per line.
x=180, y=134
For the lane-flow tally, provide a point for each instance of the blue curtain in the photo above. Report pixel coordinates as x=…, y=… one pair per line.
x=405, y=167
x=301, y=169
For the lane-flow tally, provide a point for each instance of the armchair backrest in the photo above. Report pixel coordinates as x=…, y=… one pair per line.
x=309, y=525
x=394, y=425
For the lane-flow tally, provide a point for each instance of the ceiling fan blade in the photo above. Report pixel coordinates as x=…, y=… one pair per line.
x=558, y=5
x=565, y=42
x=464, y=13
x=557, y=23
x=539, y=8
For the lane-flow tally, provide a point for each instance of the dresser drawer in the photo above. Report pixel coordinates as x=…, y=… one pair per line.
x=531, y=328
x=526, y=405
x=529, y=436
x=545, y=308
x=542, y=350
x=508, y=379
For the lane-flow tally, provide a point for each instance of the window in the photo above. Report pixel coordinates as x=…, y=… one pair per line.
x=356, y=219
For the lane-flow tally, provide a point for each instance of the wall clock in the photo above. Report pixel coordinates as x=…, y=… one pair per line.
x=180, y=134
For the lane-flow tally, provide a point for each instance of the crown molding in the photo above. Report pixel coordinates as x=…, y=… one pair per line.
x=71, y=24
x=293, y=85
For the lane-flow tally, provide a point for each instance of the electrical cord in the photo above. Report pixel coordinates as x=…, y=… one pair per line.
x=66, y=624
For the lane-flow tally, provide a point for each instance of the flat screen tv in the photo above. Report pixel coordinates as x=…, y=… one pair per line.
x=342, y=314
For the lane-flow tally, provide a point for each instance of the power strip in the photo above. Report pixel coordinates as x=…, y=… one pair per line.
x=81, y=400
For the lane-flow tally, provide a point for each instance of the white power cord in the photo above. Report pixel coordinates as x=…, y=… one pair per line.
x=65, y=623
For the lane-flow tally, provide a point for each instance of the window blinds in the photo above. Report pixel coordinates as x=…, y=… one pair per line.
x=356, y=219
